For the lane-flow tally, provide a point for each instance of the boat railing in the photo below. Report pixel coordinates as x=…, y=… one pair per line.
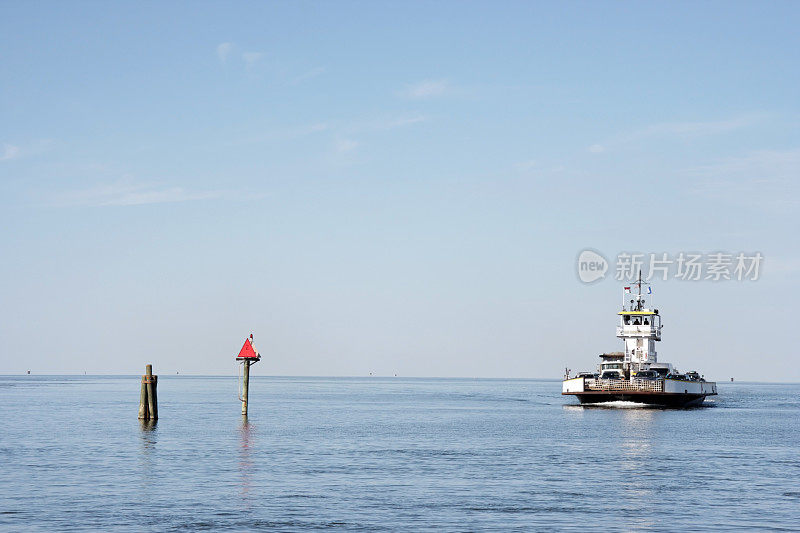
x=638, y=330
x=649, y=385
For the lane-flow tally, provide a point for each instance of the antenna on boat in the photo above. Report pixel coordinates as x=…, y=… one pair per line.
x=639, y=296
x=639, y=283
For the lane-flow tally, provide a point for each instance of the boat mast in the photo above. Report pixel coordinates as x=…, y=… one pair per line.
x=639, y=296
x=639, y=329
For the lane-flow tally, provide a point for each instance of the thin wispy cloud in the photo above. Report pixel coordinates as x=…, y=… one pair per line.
x=9, y=152
x=342, y=133
x=293, y=133
x=288, y=134
x=538, y=169
x=251, y=58
x=406, y=121
x=308, y=75
x=314, y=128
x=124, y=193
x=379, y=123
x=339, y=137
x=525, y=166
x=782, y=164
x=223, y=51
x=425, y=89
x=762, y=178
x=676, y=130
x=343, y=146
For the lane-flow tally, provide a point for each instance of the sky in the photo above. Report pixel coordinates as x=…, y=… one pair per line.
x=392, y=187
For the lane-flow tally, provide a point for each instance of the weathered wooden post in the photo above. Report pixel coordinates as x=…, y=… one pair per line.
x=148, y=397
x=245, y=386
x=248, y=355
x=143, y=412
x=152, y=392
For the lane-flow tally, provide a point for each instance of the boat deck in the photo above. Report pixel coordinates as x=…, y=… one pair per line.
x=588, y=386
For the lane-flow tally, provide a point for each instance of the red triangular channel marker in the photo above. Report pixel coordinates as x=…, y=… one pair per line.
x=247, y=351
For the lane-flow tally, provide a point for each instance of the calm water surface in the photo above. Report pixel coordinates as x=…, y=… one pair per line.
x=390, y=454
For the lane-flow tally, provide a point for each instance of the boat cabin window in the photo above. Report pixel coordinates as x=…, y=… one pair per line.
x=647, y=320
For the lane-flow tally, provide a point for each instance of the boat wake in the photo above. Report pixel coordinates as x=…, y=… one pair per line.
x=620, y=404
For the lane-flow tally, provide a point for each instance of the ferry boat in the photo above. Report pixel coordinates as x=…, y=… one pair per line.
x=635, y=374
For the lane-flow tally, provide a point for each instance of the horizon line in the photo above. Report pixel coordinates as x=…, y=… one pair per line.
x=358, y=377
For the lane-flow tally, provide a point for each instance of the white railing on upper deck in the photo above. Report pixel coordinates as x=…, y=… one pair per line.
x=638, y=385
x=632, y=331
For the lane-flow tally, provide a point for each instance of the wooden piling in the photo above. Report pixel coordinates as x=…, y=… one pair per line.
x=148, y=397
x=154, y=401
x=245, y=386
x=143, y=412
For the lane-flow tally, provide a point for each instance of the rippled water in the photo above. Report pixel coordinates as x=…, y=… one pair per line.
x=402, y=454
